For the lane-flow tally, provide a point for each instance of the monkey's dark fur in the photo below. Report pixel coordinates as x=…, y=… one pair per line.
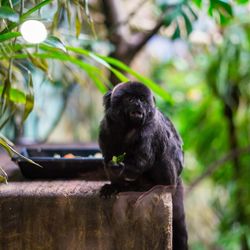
x=153, y=148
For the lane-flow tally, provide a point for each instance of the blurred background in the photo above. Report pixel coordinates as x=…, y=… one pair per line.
x=194, y=55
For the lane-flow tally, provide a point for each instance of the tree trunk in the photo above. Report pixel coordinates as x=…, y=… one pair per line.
x=237, y=170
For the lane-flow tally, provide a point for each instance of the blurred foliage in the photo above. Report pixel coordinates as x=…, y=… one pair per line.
x=177, y=14
x=212, y=97
x=228, y=75
x=180, y=15
x=19, y=59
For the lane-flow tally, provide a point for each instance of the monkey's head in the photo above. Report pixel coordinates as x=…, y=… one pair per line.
x=130, y=102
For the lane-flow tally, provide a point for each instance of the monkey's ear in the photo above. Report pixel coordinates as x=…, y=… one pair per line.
x=107, y=100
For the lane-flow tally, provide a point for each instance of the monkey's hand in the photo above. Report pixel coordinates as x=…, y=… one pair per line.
x=120, y=172
x=114, y=171
x=108, y=190
x=111, y=190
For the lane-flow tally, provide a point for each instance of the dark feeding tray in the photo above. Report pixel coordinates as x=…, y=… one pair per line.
x=54, y=165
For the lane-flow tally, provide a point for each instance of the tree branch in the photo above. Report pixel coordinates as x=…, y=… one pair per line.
x=216, y=164
x=132, y=13
x=127, y=45
x=114, y=14
x=140, y=39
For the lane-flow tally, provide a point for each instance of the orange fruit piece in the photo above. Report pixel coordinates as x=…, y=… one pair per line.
x=69, y=156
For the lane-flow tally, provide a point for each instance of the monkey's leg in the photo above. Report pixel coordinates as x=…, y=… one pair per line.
x=180, y=236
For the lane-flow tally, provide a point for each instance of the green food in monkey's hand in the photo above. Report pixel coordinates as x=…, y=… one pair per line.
x=118, y=159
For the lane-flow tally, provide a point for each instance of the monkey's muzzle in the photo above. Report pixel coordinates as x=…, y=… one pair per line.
x=136, y=115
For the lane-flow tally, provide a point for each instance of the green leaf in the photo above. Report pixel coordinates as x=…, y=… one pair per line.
x=5, y=95
x=7, y=2
x=7, y=145
x=152, y=85
x=183, y=10
x=94, y=72
x=114, y=159
x=15, y=95
x=29, y=104
x=87, y=53
x=9, y=35
x=78, y=24
x=3, y=176
x=99, y=84
x=170, y=17
x=167, y=20
x=34, y=9
x=118, y=159
x=68, y=11
x=228, y=7
x=198, y=3
x=242, y=1
x=225, y=8
x=38, y=62
x=192, y=12
x=119, y=75
x=3, y=179
x=56, y=16
x=162, y=6
x=7, y=48
x=9, y=14
x=188, y=24
x=177, y=32
x=223, y=19
x=6, y=140
x=9, y=116
x=210, y=9
x=89, y=18
x=86, y=8
x=55, y=43
x=121, y=158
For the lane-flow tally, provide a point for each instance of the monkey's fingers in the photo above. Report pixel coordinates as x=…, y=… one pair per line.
x=108, y=191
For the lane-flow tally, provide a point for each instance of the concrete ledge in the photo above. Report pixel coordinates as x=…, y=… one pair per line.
x=69, y=215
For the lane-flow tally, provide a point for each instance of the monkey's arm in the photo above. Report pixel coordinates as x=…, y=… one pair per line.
x=138, y=160
x=105, y=141
x=167, y=167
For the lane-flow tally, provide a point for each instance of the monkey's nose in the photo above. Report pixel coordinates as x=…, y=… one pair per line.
x=136, y=114
x=138, y=105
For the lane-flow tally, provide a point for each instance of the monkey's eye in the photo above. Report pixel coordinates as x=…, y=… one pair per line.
x=130, y=99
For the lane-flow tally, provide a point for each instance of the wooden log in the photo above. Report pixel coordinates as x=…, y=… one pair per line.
x=70, y=215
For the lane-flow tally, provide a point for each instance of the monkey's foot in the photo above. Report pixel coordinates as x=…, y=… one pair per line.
x=108, y=190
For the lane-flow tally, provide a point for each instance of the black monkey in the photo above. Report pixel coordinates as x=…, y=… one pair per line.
x=132, y=126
